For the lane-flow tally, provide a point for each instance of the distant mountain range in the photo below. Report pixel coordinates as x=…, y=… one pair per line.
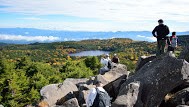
x=31, y=35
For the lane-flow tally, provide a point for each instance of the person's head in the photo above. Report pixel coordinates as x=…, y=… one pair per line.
x=160, y=21
x=115, y=55
x=99, y=84
x=107, y=55
x=173, y=33
x=43, y=104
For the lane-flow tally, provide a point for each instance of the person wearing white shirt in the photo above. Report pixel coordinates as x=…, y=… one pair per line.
x=104, y=62
x=93, y=92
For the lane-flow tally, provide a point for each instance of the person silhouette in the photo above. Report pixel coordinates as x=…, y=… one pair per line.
x=160, y=32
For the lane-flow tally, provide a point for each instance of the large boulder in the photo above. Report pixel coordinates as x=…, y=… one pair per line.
x=71, y=103
x=111, y=81
x=54, y=92
x=181, y=97
x=156, y=78
x=84, y=90
x=77, y=81
x=182, y=106
x=143, y=60
x=116, y=71
x=128, y=97
x=113, y=87
x=185, y=54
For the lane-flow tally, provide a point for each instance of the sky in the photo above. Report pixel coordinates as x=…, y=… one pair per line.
x=94, y=15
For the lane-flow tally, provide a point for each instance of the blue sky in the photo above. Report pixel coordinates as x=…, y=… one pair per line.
x=94, y=15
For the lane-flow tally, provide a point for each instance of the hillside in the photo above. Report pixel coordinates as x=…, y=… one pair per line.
x=183, y=40
x=3, y=44
x=25, y=69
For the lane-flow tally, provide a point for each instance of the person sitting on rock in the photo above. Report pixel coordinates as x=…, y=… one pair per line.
x=115, y=59
x=106, y=64
x=98, y=97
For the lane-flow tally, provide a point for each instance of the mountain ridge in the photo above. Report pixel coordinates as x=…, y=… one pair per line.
x=56, y=35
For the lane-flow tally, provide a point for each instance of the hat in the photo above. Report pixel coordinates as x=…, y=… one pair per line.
x=107, y=54
x=115, y=54
x=160, y=21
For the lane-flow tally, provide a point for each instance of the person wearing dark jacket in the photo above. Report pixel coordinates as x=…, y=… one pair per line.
x=115, y=59
x=160, y=32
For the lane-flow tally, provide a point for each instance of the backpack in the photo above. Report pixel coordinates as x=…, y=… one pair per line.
x=102, y=99
x=174, y=42
x=109, y=65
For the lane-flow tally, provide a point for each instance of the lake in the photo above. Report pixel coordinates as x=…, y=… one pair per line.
x=90, y=53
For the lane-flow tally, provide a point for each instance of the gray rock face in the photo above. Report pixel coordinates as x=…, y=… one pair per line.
x=117, y=71
x=71, y=103
x=83, y=93
x=182, y=106
x=143, y=60
x=54, y=92
x=129, y=96
x=76, y=81
x=73, y=92
x=185, y=54
x=113, y=87
x=180, y=98
x=156, y=78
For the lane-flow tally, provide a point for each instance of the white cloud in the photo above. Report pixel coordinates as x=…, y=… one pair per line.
x=28, y=38
x=31, y=18
x=140, y=36
x=119, y=11
x=152, y=39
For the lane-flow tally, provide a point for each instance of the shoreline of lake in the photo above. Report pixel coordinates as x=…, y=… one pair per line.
x=90, y=53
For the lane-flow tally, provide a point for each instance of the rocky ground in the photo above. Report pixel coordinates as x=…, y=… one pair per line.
x=158, y=82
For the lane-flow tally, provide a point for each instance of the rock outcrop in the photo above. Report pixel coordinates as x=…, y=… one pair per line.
x=158, y=82
x=143, y=60
x=113, y=87
x=156, y=78
x=179, y=98
x=73, y=92
x=54, y=92
x=117, y=71
x=128, y=97
x=71, y=103
x=185, y=54
x=182, y=106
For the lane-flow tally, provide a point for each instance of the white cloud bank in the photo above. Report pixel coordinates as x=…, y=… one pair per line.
x=152, y=39
x=28, y=38
x=117, y=10
x=130, y=14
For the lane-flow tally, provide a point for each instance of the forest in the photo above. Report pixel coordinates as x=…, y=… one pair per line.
x=26, y=68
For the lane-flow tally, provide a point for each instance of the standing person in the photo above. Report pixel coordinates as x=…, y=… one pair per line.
x=160, y=32
x=115, y=59
x=173, y=42
x=98, y=97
